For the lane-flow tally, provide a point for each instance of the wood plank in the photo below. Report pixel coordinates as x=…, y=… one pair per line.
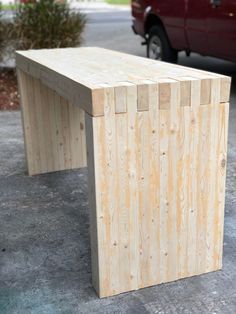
x=34, y=127
x=143, y=97
x=215, y=100
x=219, y=202
x=120, y=99
x=133, y=196
x=25, y=115
x=183, y=138
x=193, y=170
x=172, y=192
x=202, y=187
x=225, y=84
x=47, y=125
x=76, y=75
x=153, y=225
x=143, y=190
x=123, y=219
x=95, y=214
x=164, y=145
x=205, y=91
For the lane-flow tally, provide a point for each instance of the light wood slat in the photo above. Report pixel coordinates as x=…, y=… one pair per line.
x=108, y=221
x=133, y=186
x=95, y=211
x=82, y=136
x=205, y=91
x=77, y=136
x=183, y=138
x=164, y=145
x=59, y=131
x=185, y=92
x=25, y=115
x=66, y=139
x=37, y=122
x=120, y=99
x=47, y=127
x=33, y=127
x=193, y=172
x=77, y=76
x=53, y=129
x=212, y=187
x=219, y=202
x=172, y=193
x=154, y=186
x=143, y=97
x=52, y=133
x=124, y=211
x=101, y=206
x=147, y=172
x=110, y=158
x=143, y=168
x=215, y=99
x=225, y=89
x=202, y=187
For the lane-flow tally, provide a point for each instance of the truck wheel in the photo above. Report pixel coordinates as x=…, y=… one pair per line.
x=158, y=46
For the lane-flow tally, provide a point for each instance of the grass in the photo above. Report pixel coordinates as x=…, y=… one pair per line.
x=9, y=7
x=127, y=2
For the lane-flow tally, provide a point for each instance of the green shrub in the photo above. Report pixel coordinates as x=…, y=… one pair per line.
x=1, y=34
x=4, y=36
x=47, y=24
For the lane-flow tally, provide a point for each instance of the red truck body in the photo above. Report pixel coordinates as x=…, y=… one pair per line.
x=207, y=27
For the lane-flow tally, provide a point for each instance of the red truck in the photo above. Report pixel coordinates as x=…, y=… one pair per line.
x=207, y=27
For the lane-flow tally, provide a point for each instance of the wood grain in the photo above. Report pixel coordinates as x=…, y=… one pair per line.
x=155, y=137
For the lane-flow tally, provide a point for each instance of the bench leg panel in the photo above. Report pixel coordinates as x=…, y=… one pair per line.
x=54, y=130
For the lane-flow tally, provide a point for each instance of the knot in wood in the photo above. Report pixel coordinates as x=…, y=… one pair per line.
x=223, y=163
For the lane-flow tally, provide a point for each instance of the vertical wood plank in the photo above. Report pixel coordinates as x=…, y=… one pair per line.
x=51, y=127
x=192, y=188
x=94, y=194
x=202, y=187
x=34, y=127
x=47, y=127
x=215, y=100
x=107, y=210
x=183, y=196
x=154, y=185
x=25, y=115
x=133, y=186
x=219, y=202
x=171, y=201
x=144, y=207
x=66, y=139
x=123, y=202
x=82, y=136
x=164, y=145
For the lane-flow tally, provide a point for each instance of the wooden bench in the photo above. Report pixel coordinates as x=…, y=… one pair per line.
x=156, y=141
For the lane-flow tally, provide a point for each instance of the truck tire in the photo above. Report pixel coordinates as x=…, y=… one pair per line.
x=158, y=46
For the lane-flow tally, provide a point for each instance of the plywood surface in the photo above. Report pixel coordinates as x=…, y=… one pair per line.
x=81, y=74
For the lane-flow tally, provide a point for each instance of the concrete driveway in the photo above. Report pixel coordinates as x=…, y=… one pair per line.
x=44, y=238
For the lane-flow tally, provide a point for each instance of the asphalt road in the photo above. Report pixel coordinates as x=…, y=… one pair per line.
x=111, y=28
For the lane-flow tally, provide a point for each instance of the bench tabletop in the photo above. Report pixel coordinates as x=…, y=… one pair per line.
x=82, y=74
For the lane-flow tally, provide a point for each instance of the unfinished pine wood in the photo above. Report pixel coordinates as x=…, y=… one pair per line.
x=54, y=130
x=76, y=74
x=156, y=141
x=174, y=230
